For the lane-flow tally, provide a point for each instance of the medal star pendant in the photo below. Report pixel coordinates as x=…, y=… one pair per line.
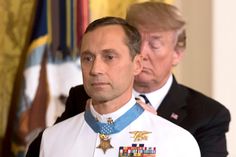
x=104, y=143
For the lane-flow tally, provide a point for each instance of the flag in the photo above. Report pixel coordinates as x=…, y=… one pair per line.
x=174, y=116
x=51, y=68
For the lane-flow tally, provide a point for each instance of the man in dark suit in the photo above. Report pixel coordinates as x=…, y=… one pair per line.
x=163, y=45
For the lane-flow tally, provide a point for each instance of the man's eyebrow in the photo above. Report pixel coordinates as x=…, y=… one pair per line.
x=85, y=52
x=155, y=37
x=109, y=50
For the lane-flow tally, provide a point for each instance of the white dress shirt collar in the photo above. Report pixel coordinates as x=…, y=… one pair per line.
x=156, y=97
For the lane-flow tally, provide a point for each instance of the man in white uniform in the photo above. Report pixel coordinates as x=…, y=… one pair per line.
x=114, y=124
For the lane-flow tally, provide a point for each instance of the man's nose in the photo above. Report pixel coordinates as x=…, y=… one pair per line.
x=144, y=50
x=97, y=67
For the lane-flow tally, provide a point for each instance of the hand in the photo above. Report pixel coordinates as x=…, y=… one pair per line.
x=146, y=107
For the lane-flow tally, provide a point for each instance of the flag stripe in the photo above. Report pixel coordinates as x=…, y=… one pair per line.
x=68, y=22
x=39, y=27
x=62, y=14
x=82, y=18
x=55, y=26
x=38, y=42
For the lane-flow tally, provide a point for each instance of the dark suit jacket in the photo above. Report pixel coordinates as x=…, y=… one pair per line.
x=206, y=119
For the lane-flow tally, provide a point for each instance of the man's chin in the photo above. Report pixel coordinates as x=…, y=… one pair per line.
x=99, y=98
x=142, y=78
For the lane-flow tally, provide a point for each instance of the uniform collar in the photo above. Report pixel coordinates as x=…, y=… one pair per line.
x=114, y=115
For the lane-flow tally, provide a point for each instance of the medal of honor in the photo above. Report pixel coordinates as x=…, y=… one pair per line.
x=112, y=127
x=104, y=143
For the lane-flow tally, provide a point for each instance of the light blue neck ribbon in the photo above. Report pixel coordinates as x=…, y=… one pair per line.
x=118, y=125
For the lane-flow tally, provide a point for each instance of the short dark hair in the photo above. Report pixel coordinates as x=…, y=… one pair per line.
x=133, y=38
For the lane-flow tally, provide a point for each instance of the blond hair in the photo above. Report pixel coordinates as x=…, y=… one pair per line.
x=158, y=16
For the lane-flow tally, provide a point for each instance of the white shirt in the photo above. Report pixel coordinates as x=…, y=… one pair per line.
x=74, y=137
x=155, y=98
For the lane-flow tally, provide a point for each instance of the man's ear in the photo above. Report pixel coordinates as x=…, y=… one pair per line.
x=177, y=56
x=138, y=65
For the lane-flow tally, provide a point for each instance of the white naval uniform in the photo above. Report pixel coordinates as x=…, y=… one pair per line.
x=75, y=138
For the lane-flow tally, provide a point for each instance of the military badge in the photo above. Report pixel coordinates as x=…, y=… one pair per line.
x=137, y=151
x=140, y=135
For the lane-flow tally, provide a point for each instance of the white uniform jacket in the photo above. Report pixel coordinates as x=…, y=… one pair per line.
x=147, y=135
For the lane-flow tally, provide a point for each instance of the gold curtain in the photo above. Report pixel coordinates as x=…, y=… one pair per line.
x=100, y=8
x=14, y=23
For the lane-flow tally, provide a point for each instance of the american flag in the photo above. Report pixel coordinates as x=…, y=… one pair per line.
x=174, y=116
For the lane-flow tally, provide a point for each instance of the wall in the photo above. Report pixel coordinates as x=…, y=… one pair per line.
x=224, y=62
x=196, y=66
x=209, y=61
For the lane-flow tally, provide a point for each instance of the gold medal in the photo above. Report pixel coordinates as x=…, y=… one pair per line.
x=104, y=142
x=140, y=135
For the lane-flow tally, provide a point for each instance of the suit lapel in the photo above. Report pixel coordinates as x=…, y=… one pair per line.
x=172, y=107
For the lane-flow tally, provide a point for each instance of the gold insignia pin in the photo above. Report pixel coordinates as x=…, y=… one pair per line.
x=109, y=120
x=104, y=143
x=140, y=135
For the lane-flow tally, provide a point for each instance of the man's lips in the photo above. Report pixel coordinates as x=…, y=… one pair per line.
x=97, y=84
x=146, y=69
